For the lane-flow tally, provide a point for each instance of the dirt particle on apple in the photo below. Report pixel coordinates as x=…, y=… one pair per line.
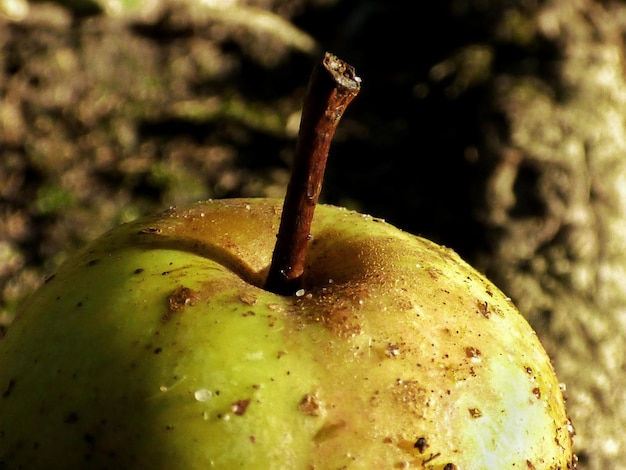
x=310, y=405
x=181, y=298
x=483, y=308
x=473, y=353
x=434, y=273
x=570, y=427
x=248, y=298
x=149, y=230
x=421, y=444
x=431, y=458
x=475, y=412
x=240, y=406
x=392, y=350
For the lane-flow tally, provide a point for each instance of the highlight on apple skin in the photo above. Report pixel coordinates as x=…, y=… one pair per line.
x=156, y=347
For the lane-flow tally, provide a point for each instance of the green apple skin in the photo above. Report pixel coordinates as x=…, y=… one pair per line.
x=156, y=347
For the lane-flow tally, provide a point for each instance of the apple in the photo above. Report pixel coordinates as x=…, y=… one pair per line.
x=246, y=333
x=157, y=347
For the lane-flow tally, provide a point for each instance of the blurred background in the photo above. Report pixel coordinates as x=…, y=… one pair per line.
x=495, y=127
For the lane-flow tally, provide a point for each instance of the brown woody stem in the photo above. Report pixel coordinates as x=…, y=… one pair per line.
x=333, y=85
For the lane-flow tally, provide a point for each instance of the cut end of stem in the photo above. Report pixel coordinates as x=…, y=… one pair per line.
x=333, y=85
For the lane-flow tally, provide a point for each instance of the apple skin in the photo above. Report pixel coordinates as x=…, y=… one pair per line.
x=155, y=347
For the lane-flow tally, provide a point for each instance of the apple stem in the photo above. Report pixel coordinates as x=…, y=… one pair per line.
x=332, y=86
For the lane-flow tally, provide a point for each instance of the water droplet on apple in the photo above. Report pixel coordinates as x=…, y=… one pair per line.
x=203, y=394
x=255, y=356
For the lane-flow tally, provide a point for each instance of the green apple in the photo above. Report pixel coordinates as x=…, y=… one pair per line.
x=156, y=347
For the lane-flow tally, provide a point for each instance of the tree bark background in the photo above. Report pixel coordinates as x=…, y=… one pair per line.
x=496, y=127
